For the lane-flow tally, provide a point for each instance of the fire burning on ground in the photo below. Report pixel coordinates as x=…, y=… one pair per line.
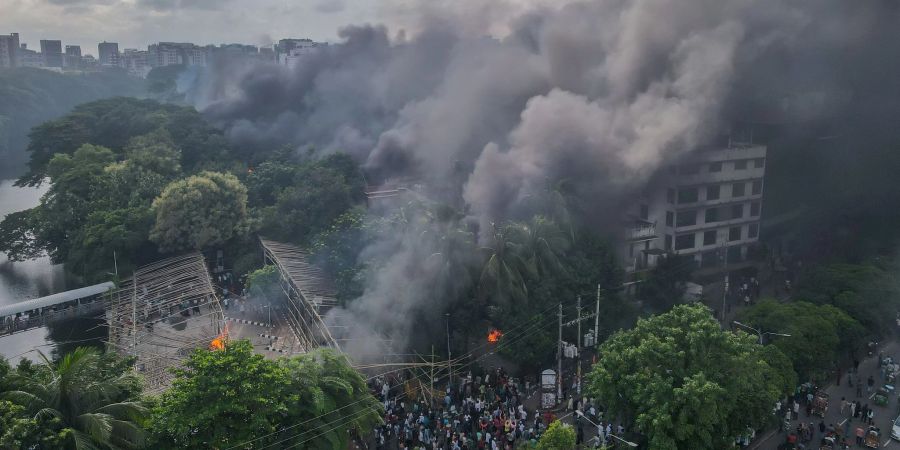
x=494, y=335
x=219, y=342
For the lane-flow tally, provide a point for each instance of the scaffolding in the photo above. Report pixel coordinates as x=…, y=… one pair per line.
x=309, y=295
x=162, y=314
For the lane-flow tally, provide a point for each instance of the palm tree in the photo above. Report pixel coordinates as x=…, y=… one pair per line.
x=506, y=268
x=85, y=398
x=543, y=244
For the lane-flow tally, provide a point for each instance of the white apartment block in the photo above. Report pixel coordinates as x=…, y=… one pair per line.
x=708, y=207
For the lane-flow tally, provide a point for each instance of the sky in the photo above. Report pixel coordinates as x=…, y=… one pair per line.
x=137, y=23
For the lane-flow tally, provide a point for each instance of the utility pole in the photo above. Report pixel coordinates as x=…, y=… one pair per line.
x=116, y=265
x=725, y=290
x=133, y=314
x=449, y=364
x=578, y=348
x=559, y=359
x=431, y=391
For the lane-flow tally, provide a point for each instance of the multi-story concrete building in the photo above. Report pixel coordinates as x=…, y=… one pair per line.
x=108, y=54
x=9, y=50
x=73, y=56
x=289, y=51
x=136, y=62
x=169, y=53
x=30, y=58
x=51, y=49
x=708, y=207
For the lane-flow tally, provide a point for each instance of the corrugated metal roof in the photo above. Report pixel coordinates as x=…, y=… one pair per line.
x=55, y=299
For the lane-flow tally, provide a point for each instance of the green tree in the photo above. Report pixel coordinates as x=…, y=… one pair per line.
x=506, y=268
x=558, y=436
x=684, y=383
x=199, y=211
x=865, y=292
x=294, y=202
x=665, y=284
x=92, y=397
x=237, y=398
x=820, y=334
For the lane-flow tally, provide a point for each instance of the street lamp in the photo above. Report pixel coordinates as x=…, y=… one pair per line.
x=759, y=332
x=628, y=443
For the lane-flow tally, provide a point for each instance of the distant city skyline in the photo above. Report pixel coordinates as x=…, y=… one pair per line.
x=139, y=23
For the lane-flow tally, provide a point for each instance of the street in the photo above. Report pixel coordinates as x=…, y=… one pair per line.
x=884, y=415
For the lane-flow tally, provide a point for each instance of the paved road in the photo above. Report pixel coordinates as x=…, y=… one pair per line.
x=884, y=415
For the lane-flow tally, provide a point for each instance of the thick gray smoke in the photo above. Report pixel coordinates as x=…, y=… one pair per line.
x=600, y=93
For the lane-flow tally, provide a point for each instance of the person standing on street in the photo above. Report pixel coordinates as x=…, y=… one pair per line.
x=859, y=434
x=870, y=383
x=843, y=405
x=852, y=410
x=796, y=410
x=870, y=415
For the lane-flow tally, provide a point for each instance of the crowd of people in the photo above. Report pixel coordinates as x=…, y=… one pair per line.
x=475, y=412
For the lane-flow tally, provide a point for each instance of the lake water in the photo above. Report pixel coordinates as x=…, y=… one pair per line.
x=28, y=279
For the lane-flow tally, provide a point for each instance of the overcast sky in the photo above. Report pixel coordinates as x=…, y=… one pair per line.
x=136, y=23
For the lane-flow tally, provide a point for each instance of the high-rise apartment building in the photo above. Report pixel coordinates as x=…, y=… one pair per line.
x=707, y=207
x=73, y=56
x=51, y=50
x=9, y=50
x=108, y=54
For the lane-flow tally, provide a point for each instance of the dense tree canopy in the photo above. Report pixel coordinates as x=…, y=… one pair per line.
x=113, y=123
x=820, y=335
x=30, y=96
x=865, y=292
x=237, y=398
x=200, y=211
x=295, y=201
x=106, y=162
x=685, y=383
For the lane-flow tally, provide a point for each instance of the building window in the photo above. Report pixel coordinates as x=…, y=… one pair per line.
x=687, y=195
x=753, y=231
x=668, y=242
x=759, y=163
x=737, y=211
x=754, y=209
x=689, y=169
x=757, y=187
x=737, y=190
x=686, y=218
x=711, y=215
x=740, y=164
x=684, y=241
x=670, y=195
x=715, y=166
x=709, y=237
x=645, y=212
x=712, y=192
x=734, y=234
x=670, y=218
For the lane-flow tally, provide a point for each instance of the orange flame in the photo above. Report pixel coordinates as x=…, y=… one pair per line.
x=494, y=335
x=219, y=342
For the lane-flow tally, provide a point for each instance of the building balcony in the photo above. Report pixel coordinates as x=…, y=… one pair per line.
x=641, y=231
